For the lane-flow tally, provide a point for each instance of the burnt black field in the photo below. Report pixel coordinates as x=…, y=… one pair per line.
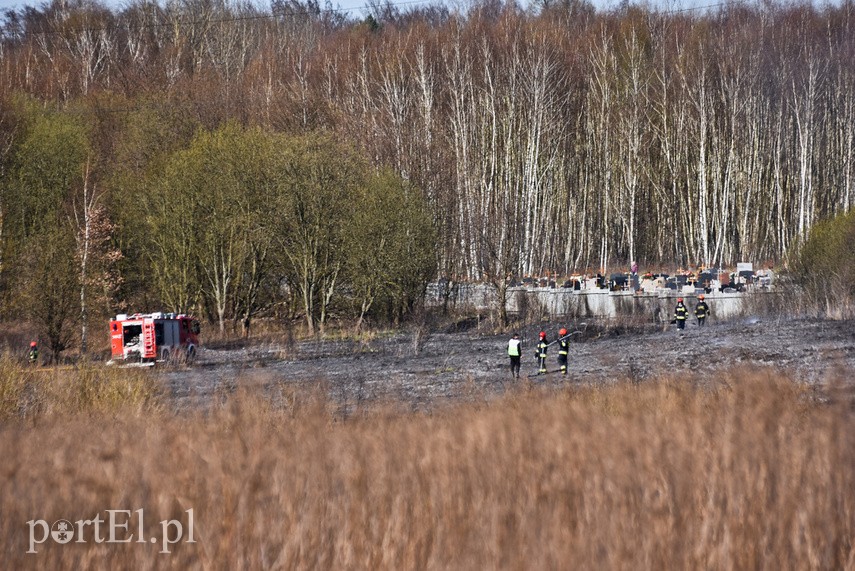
x=421, y=369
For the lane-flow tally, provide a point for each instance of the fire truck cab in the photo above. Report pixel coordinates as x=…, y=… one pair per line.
x=153, y=337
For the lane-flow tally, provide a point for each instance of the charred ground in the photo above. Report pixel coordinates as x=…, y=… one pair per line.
x=424, y=366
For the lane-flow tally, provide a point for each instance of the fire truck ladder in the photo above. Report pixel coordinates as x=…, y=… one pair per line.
x=148, y=339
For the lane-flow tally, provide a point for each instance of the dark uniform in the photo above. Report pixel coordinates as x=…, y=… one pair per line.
x=33, y=355
x=563, y=350
x=514, y=353
x=701, y=311
x=540, y=354
x=680, y=314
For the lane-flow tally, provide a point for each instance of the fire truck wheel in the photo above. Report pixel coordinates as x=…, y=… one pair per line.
x=191, y=353
x=164, y=355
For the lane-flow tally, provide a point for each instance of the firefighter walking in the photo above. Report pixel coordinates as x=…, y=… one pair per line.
x=514, y=352
x=680, y=314
x=33, y=355
x=701, y=310
x=563, y=350
x=540, y=353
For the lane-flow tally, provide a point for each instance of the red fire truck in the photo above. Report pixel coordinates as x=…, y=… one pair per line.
x=149, y=337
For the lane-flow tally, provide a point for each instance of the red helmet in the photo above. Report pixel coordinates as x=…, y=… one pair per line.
x=701, y=297
x=33, y=344
x=562, y=332
x=679, y=300
x=543, y=334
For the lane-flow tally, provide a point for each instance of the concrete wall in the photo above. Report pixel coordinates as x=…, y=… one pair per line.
x=563, y=302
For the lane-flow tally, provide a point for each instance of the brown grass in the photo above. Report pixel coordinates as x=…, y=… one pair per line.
x=34, y=392
x=755, y=474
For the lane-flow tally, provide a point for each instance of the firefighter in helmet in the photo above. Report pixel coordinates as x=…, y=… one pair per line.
x=702, y=310
x=680, y=314
x=540, y=353
x=33, y=355
x=563, y=350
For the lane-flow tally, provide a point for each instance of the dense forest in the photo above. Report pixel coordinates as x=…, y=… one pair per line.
x=236, y=160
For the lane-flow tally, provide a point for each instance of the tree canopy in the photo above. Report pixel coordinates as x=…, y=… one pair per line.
x=551, y=139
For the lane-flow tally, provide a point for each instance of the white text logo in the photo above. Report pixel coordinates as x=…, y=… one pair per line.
x=118, y=526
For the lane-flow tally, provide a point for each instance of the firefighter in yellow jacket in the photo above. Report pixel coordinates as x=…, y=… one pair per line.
x=514, y=352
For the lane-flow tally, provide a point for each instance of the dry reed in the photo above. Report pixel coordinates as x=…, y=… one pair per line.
x=753, y=474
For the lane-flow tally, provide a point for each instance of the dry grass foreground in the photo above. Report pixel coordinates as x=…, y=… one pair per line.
x=754, y=474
